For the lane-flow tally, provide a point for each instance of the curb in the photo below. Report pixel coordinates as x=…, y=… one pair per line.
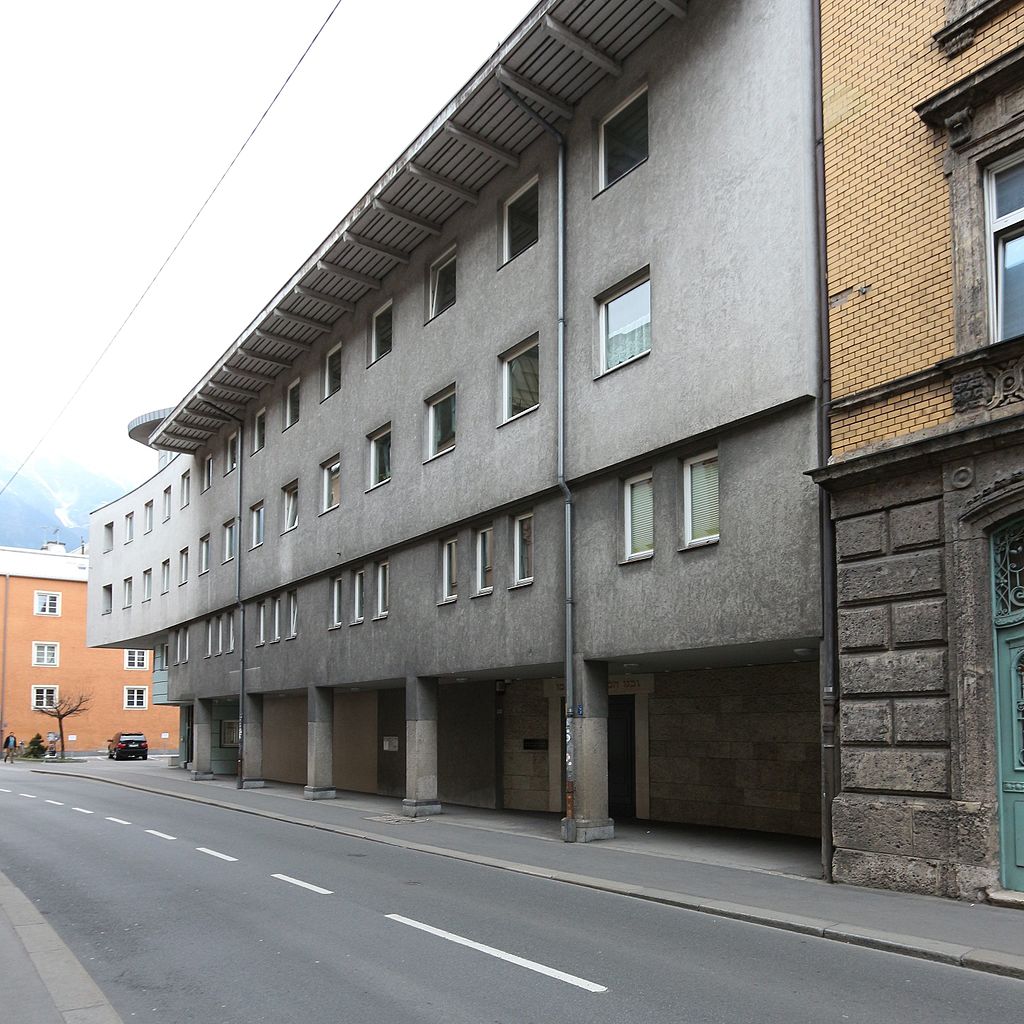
x=990, y=961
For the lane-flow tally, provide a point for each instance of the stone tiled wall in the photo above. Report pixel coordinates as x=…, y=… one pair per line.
x=737, y=747
x=525, y=712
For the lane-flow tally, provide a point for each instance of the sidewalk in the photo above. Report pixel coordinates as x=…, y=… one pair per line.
x=643, y=862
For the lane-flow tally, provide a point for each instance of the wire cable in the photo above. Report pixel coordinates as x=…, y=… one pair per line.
x=167, y=259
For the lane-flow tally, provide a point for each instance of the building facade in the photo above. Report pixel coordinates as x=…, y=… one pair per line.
x=44, y=658
x=502, y=499
x=924, y=163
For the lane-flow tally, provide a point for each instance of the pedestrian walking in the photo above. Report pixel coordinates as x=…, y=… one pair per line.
x=10, y=743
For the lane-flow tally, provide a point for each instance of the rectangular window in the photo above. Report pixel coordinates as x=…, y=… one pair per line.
x=167, y=503
x=45, y=655
x=1006, y=226
x=700, y=499
x=108, y=598
x=626, y=325
x=624, y=140
x=521, y=379
x=204, y=554
x=521, y=221
x=442, y=284
x=256, y=519
x=136, y=697
x=108, y=537
x=383, y=326
x=185, y=491
x=358, y=595
x=291, y=505
x=231, y=453
x=136, y=659
x=291, y=403
x=129, y=527
x=450, y=570
x=332, y=371
x=147, y=517
x=259, y=431
x=183, y=566
x=383, y=589
x=230, y=539
x=218, y=632
x=330, y=473
x=484, y=560
x=441, y=423
x=638, y=495
x=162, y=657
x=183, y=644
x=337, y=586
x=47, y=602
x=165, y=576
x=522, y=548
x=231, y=631
x=129, y=587
x=207, y=473
x=275, y=619
x=261, y=622
x=209, y=639
x=380, y=456
x=147, y=584
x=293, y=613
x=44, y=697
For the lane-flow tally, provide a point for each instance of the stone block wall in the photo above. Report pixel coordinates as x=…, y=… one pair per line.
x=737, y=747
x=525, y=713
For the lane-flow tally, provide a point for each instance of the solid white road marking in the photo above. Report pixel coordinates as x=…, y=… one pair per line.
x=82, y=810
x=119, y=821
x=159, y=835
x=530, y=965
x=305, y=885
x=56, y=803
x=27, y=796
x=214, y=853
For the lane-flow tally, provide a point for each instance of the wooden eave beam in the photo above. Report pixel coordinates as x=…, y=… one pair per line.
x=280, y=339
x=208, y=421
x=480, y=144
x=304, y=321
x=348, y=275
x=254, y=375
x=183, y=449
x=397, y=213
x=175, y=436
x=677, y=8
x=229, y=389
x=211, y=413
x=583, y=47
x=284, y=364
x=375, y=247
x=453, y=188
x=327, y=300
x=527, y=89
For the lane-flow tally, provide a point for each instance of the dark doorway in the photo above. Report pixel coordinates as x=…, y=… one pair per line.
x=621, y=757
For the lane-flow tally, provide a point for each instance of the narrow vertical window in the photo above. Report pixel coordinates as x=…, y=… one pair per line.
x=441, y=423
x=108, y=537
x=626, y=325
x=147, y=584
x=1006, y=225
x=147, y=517
x=108, y=598
x=638, y=494
x=275, y=623
x=165, y=576
x=358, y=595
x=129, y=527
x=209, y=639
x=293, y=612
x=207, y=473
x=450, y=570
x=291, y=505
x=380, y=456
x=259, y=431
x=129, y=588
x=185, y=491
x=332, y=371
x=381, y=331
x=700, y=499
x=330, y=473
x=291, y=403
x=337, y=587
x=484, y=560
x=261, y=622
x=183, y=566
x=624, y=139
x=442, y=284
x=231, y=453
x=383, y=589
x=230, y=539
x=204, y=554
x=521, y=379
x=521, y=221
x=522, y=548
x=256, y=515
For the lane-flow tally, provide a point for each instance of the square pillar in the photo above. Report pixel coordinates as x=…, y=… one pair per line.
x=202, y=739
x=319, y=744
x=420, y=747
x=252, y=741
x=589, y=735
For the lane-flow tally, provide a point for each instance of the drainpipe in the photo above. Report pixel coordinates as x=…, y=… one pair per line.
x=570, y=688
x=3, y=663
x=829, y=660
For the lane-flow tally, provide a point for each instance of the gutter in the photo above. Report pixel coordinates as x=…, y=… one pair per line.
x=569, y=830
x=3, y=661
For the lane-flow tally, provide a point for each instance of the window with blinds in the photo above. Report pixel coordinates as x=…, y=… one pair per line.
x=700, y=497
x=639, y=515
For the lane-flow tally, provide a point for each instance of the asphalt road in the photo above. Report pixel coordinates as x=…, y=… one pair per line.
x=183, y=912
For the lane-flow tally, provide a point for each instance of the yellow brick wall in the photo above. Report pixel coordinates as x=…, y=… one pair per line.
x=887, y=203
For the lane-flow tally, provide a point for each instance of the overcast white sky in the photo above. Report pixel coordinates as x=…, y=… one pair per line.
x=117, y=118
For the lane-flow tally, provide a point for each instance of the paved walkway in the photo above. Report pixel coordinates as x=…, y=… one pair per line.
x=767, y=880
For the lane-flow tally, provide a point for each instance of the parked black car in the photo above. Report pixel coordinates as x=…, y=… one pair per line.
x=127, y=744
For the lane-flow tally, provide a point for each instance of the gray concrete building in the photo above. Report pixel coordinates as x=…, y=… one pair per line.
x=501, y=499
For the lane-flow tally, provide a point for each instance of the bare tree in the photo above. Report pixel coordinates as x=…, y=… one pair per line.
x=66, y=707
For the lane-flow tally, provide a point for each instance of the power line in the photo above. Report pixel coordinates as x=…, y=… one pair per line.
x=167, y=259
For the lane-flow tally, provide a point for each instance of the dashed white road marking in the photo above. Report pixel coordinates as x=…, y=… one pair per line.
x=305, y=885
x=28, y=796
x=214, y=853
x=119, y=821
x=56, y=803
x=530, y=965
x=82, y=810
x=4, y=790
x=159, y=835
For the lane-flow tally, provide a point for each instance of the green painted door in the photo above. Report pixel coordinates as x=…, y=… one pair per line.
x=1008, y=609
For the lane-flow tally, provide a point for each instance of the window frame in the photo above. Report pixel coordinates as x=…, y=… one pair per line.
x=375, y=352
x=519, y=580
x=604, y=182
x=42, y=691
x=147, y=585
x=230, y=536
x=108, y=536
x=167, y=503
x=184, y=489
x=999, y=231
x=259, y=430
x=629, y=554
x=479, y=567
x=56, y=595
x=358, y=595
x=327, y=392
x=275, y=619
x=261, y=623
x=330, y=470
x=507, y=416
x=382, y=589
x=107, y=599
x=290, y=498
x=41, y=648
x=257, y=516
x=134, y=706
x=291, y=417
x=507, y=256
x=632, y=283
x=127, y=591
x=129, y=651
x=688, y=464
x=449, y=569
x=337, y=594
x=442, y=262
x=231, y=453
x=183, y=567
x=450, y=392
x=204, y=554
x=293, y=615
x=147, y=517
x=207, y=478
x=129, y=527
x=374, y=440
x=165, y=576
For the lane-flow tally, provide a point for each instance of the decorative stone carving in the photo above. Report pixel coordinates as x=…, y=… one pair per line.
x=960, y=126
x=1008, y=386
x=1008, y=568
x=989, y=387
x=955, y=44
x=961, y=477
x=972, y=389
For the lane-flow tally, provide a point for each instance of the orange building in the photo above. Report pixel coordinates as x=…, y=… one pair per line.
x=43, y=658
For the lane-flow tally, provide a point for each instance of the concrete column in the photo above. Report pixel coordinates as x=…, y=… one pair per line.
x=202, y=739
x=590, y=752
x=252, y=742
x=420, y=747
x=320, y=744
